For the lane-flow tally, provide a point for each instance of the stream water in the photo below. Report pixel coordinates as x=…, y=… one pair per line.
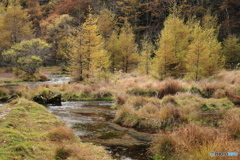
x=92, y=122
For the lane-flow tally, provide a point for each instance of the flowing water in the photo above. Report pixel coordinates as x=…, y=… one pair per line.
x=92, y=122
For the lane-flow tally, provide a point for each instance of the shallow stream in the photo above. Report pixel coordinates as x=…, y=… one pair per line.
x=92, y=122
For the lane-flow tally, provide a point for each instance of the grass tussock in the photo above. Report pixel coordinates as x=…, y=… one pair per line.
x=231, y=123
x=29, y=131
x=193, y=141
x=142, y=112
x=168, y=87
x=156, y=89
x=60, y=134
x=4, y=91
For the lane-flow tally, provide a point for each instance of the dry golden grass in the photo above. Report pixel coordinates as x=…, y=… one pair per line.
x=4, y=91
x=231, y=122
x=193, y=142
x=168, y=86
x=83, y=152
x=60, y=134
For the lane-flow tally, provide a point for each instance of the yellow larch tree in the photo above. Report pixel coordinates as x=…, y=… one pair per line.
x=113, y=47
x=106, y=22
x=145, y=58
x=89, y=57
x=128, y=48
x=231, y=50
x=198, y=55
x=172, y=48
x=78, y=56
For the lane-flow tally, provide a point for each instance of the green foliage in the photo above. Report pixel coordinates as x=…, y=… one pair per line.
x=27, y=55
x=28, y=127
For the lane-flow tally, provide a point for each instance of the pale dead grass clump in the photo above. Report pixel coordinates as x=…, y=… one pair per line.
x=143, y=112
x=210, y=88
x=170, y=114
x=193, y=142
x=127, y=116
x=120, y=99
x=60, y=134
x=4, y=91
x=231, y=122
x=81, y=152
x=168, y=87
x=230, y=77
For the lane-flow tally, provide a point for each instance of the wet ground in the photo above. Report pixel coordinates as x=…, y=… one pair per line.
x=92, y=122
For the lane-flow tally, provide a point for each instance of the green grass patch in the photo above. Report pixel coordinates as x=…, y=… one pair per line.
x=29, y=131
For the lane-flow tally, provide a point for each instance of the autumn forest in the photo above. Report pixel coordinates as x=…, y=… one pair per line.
x=135, y=79
x=159, y=37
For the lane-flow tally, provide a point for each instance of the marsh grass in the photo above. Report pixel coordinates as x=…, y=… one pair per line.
x=4, y=91
x=193, y=141
x=231, y=122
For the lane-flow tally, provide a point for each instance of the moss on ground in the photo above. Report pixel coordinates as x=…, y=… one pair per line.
x=28, y=130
